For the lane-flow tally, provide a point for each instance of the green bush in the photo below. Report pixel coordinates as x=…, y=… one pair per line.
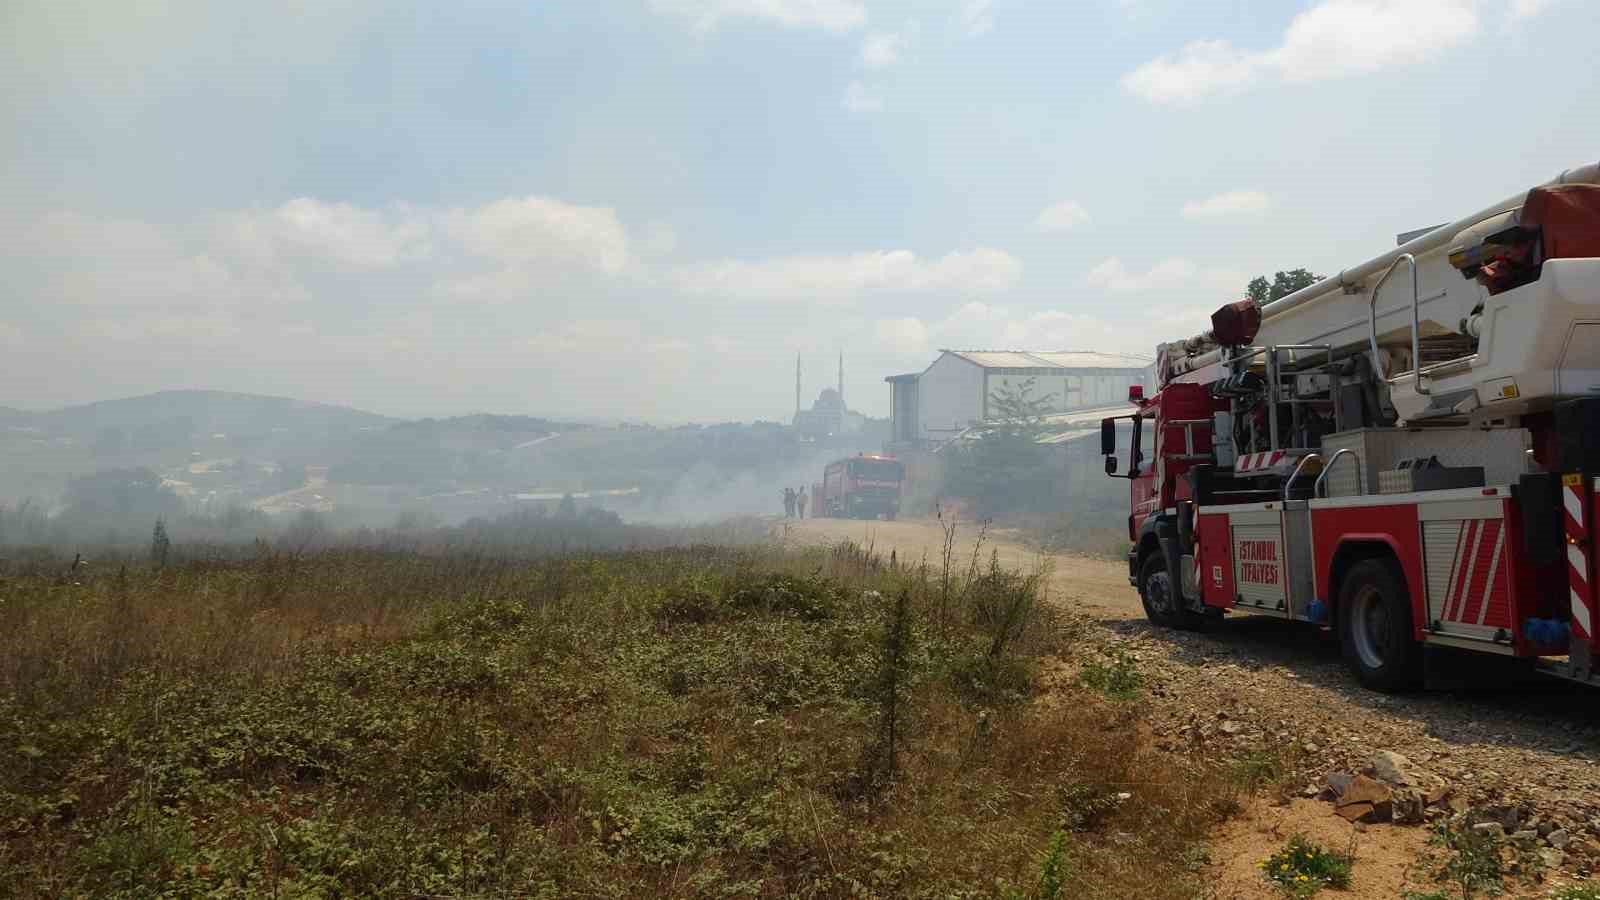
x=1304, y=867
x=1116, y=675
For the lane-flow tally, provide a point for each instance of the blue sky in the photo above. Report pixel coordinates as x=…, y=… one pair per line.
x=646, y=208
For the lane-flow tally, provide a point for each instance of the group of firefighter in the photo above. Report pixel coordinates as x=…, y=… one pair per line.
x=794, y=503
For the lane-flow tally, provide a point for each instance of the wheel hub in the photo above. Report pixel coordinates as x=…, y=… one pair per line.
x=1158, y=593
x=1371, y=627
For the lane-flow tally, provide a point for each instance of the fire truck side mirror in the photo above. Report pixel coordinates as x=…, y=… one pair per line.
x=1108, y=438
x=1111, y=465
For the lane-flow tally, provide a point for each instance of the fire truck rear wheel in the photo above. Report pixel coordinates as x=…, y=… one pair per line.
x=1375, y=626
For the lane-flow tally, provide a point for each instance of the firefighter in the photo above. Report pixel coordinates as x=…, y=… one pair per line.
x=800, y=501
x=788, y=503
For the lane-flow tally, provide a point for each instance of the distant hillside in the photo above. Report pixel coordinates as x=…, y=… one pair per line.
x=170, y=431
x=206, y=412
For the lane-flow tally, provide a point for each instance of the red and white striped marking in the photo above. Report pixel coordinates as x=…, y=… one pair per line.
x=1255, y=462
x=1472, y=588
x=1576, y=504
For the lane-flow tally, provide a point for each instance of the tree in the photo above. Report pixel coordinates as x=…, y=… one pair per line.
x=1282, y=285
x=1006, y=469
x=160, y=544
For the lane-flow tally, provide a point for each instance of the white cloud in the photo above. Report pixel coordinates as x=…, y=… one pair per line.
x=885, y=48
x=1228, y=205
x=497, y=251
x=1200, y=69
x=975, y=18
x=88, y=261
x=1332, y=39
x=906, y=336
x=858, y=99
x=843, y=279
x=336, y=233
x=1063, y=216
x=526, y=230
x=1344, y=37
x=1523, y=9
x=1168, y=274
x=829, y=15
x=977, y=325
x=203, y=327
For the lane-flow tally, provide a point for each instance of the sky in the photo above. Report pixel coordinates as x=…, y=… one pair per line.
x=646, y=209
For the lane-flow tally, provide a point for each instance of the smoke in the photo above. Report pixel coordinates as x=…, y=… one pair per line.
x=708, y=493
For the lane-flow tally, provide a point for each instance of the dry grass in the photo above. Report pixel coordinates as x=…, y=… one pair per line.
x=691, y=722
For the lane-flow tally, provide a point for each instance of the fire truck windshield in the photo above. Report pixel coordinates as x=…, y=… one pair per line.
x=876, y=469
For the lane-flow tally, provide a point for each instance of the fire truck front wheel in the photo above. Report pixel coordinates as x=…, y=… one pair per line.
x=1156, y=590
x=1375, y=626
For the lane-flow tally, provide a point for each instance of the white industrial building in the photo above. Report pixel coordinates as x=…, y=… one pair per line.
x=930, y=407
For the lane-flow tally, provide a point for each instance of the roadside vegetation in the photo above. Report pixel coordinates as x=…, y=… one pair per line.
x=681, y=721
x=1303, y=867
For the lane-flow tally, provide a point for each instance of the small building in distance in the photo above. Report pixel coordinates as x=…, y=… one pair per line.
x=931, y=407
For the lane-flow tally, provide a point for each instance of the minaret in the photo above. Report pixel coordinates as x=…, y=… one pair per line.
x=841, y=381
x=797, y=386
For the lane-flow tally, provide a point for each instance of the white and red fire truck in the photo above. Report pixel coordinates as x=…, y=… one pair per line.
x=1405, y=452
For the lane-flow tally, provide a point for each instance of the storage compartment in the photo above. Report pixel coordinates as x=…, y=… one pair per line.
x=1428, y=474
x=1502, y=454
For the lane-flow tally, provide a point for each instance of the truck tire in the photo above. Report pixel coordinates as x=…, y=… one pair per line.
x=1375, y=631
x=1162, y=605
x=1156, y=591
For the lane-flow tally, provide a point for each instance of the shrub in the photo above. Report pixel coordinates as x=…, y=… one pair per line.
x=1117, y=675
x=1473, y=860
x=1304, y=867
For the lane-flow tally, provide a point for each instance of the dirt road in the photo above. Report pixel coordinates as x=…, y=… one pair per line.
x=1520, y=751
x=1094, y=585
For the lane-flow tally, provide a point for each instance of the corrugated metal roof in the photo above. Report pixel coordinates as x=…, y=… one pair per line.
x=1059, y=428
x=1051, y=359
x=1067, y=437
x=1087, y=416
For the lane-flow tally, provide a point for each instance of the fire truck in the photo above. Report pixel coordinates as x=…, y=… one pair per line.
x=1404, y=452
x=860, y=487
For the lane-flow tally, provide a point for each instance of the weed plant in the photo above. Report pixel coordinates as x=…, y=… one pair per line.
x=1116, y=674
x=1304, y=867
x=459, y=721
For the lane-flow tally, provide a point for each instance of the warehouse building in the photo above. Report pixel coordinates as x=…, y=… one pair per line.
x=953, y=394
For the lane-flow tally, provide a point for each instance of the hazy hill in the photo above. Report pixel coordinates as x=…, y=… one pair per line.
x=167, y=431
x=205, y=412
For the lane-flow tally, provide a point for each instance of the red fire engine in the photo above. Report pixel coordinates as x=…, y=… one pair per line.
x=860, y=487
x=1404, y=452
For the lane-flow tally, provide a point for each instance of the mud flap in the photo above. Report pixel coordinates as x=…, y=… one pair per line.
x=1172, y=552
x=1539, y=498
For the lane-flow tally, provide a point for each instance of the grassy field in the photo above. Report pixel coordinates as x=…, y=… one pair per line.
x=676, y=722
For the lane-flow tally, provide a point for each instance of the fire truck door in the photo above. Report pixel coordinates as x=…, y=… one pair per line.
x=1259, y=578
x=1468, y=584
